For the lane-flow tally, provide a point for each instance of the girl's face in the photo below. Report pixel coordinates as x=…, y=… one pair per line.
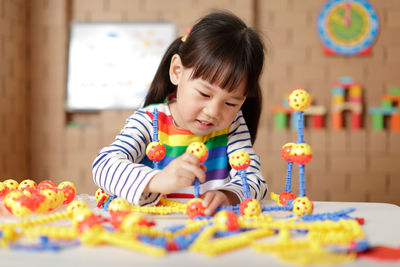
x=202, y=107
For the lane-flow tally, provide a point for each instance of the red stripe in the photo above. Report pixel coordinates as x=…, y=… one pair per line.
x=181, y=195
x=166, y=124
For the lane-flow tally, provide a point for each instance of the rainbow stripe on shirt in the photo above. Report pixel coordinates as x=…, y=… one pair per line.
x=177, y=139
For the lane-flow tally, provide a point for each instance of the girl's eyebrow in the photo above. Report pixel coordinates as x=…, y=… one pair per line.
x=209, y=86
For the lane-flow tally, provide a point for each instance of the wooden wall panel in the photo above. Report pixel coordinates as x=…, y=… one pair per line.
x=14, y=106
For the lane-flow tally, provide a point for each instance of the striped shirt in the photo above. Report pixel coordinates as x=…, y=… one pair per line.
x=123, y=169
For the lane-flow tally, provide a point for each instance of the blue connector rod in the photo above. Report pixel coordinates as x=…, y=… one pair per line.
x=302, y=181
x=155, y=125
x=289, y=168
x=197, y=188
x=300, y=126
x=245, y=185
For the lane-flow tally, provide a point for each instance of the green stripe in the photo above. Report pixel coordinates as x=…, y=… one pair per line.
x=217, y=141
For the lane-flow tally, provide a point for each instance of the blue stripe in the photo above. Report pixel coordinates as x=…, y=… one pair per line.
x=138, y=134
x=97, y=161
x=255, y=191
x=254, y=167
x=238, y=117
x=240, y=140
x=137, y=187
x=148, y=133
x=137, y=152
x=126, y=180
x=130, y=187
x=101, y=172
x=148, y=119
x=218, y=163
x=95, y=174
x=237, y=183
x=109, y=167
x=258, y=187
x=256, y=161
x=237, y=133
x=217, y=152
x=112, y=177
x=128, y=154
x=241, y=148
x=119, y=178
x=108, y=151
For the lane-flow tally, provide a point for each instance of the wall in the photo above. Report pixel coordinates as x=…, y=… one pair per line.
x=13, y=90
x=347, y=165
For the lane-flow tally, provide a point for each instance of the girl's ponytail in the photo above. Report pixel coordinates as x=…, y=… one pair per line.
x=161, y=85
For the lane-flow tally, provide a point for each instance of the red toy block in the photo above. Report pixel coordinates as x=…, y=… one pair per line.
x=395, y=122
x=337, y=121
x=317, y=121
x=355, y=121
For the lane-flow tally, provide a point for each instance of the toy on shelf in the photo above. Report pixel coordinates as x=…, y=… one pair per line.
x=281, y=114
x=299, y=153
x=346, y=95
x=390, y=106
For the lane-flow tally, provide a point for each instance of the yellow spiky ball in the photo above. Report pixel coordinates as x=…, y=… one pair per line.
x=302, y=206
x=299, y=99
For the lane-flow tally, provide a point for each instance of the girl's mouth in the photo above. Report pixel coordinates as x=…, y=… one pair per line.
x=204, y=124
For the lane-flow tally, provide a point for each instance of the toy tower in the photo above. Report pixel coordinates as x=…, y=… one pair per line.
x=350, y=101
x=390, y=106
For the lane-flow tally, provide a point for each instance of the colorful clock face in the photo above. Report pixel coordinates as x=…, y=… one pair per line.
x=347, y=27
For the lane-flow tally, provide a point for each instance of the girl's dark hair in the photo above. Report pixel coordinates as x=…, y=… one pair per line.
x=222, y=50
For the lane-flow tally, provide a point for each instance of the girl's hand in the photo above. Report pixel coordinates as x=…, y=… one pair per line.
x=179, y=173
x=213, y=199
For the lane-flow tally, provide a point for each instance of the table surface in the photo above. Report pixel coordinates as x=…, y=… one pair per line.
x=382, y=221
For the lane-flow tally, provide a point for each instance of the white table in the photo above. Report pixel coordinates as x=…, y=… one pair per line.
x=382, y=223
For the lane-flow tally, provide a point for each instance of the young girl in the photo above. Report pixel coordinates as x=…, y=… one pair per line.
x=206, y=89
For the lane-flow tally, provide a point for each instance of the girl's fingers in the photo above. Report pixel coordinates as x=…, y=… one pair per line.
x=190, y=158
x=212, y=200
x=207, y=199
x=211, y=207
x=192, y=164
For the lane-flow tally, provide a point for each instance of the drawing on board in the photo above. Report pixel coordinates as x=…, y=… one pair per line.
x=111, y=65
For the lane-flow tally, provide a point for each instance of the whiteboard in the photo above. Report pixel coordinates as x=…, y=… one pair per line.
x=111, y=65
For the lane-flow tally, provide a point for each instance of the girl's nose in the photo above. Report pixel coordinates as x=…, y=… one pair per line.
x=212, y=109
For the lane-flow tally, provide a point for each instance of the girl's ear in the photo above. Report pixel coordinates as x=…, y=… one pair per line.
x=175, y=69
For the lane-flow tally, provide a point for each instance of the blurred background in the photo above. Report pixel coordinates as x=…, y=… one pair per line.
x=42, y=139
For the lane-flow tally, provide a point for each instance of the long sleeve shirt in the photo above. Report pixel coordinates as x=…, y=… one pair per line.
x=124, y=170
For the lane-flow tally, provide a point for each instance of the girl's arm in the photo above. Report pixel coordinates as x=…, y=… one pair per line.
x=117, y=170
x=239, y=139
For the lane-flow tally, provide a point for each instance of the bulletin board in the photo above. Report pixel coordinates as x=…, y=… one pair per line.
x=111, y=65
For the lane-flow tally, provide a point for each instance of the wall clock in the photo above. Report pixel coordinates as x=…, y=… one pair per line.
x=347, y=27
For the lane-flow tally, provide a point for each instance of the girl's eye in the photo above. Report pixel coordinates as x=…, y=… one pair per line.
x=230, y=104
x=204, y=95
